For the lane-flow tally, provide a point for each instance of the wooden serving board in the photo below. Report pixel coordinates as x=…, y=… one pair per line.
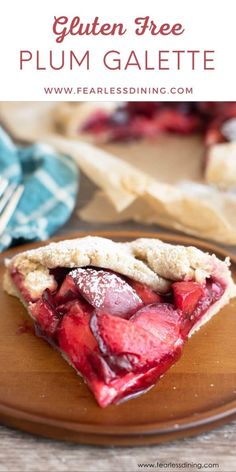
x=40, y=393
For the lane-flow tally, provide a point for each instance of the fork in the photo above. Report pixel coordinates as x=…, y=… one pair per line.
x=10, y=195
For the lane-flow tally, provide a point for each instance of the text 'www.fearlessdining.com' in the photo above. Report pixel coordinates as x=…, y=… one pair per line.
x=118, y=90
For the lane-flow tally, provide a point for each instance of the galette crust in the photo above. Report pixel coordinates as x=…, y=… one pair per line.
x=176, y=262
x=82, y=252
x=149, y=261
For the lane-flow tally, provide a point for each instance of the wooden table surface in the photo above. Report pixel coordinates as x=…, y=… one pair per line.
x=20, y=452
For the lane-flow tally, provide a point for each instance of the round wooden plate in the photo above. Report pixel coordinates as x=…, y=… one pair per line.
x=41, y=394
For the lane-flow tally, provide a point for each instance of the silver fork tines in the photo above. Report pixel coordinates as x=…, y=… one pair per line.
x=9, y=199
x=7, y=194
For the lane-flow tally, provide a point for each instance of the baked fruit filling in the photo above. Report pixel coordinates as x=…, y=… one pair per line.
x=119, y=334
x=134, y=120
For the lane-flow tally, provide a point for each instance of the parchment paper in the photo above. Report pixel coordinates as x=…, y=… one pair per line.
x=159, y=181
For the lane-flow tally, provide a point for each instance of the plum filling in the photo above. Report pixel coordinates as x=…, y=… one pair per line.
x=119, y=334
x=134, y=120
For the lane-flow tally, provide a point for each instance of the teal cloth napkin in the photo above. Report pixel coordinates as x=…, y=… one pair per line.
x=51, y=183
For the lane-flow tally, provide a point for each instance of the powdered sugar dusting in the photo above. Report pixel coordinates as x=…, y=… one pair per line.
x=106, y=291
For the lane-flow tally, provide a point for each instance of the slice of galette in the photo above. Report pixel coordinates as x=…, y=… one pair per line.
x=119, y=313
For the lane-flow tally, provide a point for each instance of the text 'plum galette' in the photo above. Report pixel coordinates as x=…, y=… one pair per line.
x=120, y=313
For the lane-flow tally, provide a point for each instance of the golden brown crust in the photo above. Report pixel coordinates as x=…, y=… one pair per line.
x=149, y=261
x=88, y=251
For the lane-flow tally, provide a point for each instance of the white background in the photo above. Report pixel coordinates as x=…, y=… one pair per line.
x=27, y=24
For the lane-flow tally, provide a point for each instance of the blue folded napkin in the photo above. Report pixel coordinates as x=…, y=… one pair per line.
x=51, y=184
